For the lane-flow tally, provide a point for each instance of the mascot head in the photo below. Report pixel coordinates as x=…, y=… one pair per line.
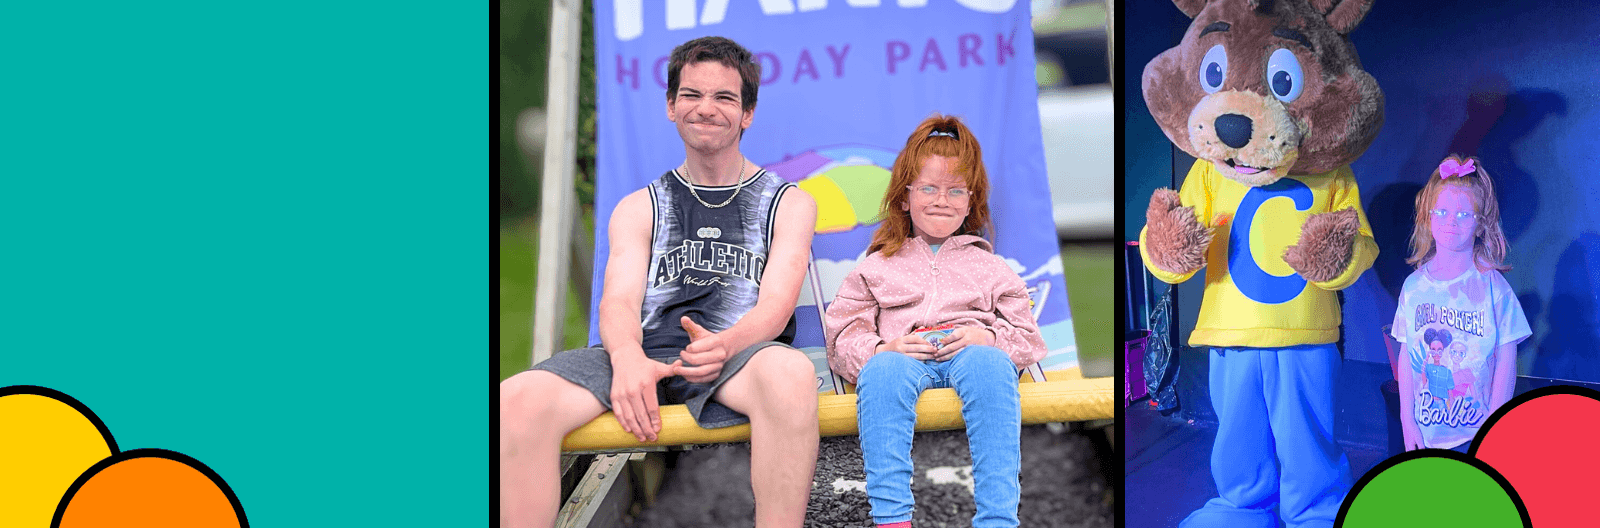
x=1266, y=88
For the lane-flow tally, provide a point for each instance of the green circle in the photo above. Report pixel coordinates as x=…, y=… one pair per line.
x=1432, y=491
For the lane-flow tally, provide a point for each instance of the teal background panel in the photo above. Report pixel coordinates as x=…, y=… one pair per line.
x=254, y=234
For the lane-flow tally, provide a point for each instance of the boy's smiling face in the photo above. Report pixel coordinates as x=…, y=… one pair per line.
x=707, y=108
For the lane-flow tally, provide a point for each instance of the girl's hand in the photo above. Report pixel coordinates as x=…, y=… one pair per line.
x=960, y=338
x=912, y=345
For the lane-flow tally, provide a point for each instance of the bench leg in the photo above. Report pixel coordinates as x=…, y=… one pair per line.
x=602, y=497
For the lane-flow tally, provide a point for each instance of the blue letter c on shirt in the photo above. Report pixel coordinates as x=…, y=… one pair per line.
x=1253, y=281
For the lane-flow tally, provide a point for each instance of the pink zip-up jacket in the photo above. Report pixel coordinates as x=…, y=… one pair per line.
x=965, y=284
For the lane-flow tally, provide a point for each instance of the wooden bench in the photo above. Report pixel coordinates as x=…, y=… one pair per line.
x=597, y=487
x=606, y=452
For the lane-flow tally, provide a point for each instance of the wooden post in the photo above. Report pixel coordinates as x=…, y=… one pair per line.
x=1111, y=40
x=601, y=498
x=560, y=155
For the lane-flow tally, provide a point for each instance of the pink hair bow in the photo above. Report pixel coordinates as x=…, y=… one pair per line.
x=1452, y=168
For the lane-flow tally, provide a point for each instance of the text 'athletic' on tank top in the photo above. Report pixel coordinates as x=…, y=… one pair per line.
x=705, y=262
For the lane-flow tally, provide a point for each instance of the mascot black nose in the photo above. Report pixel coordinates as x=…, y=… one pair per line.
x=1233, y=130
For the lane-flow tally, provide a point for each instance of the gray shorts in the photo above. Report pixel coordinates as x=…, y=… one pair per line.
x=590, y=368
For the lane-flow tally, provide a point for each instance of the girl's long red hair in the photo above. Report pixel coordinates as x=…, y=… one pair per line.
x=896, y=227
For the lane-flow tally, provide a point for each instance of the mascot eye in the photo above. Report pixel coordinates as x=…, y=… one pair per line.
x=1214, y=69
x=1283, y=75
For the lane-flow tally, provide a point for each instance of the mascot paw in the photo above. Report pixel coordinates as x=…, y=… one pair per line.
x=1174, y=240
x=1326, y=241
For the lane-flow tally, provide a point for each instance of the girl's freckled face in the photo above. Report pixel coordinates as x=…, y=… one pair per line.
x=937, y=217
x=1451, y=234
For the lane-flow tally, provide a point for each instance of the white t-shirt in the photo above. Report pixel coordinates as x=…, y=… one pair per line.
x=1449, y=330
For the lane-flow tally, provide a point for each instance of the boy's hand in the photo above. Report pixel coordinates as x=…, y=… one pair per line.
x=705, y=354
x=912, y=345
x=960, y=338
x=633, y=394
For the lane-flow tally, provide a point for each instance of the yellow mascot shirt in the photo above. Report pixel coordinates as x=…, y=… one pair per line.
x=1253, y=298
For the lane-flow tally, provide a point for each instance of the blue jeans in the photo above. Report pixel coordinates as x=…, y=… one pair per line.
x=886, y=406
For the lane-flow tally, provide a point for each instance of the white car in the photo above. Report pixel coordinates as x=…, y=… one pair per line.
x=1079, y=149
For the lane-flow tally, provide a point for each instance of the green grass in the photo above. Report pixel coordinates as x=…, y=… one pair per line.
x=1090, y=292
x=1087, y=267
x=518, y=274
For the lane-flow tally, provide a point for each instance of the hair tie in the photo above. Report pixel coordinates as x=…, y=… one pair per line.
x=950, y=134
x=1452, y=168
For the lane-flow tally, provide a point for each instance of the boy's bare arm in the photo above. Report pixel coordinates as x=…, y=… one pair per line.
x=626, y=266
x=633, y=376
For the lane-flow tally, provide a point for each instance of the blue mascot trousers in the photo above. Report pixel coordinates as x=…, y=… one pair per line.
x=1275, y=444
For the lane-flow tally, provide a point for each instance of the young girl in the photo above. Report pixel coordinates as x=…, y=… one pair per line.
x=932, y=306
x=1458, y=318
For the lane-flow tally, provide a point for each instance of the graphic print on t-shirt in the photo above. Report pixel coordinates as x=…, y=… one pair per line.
x=1454, y=332
x=715, y=257
x=1443, y=367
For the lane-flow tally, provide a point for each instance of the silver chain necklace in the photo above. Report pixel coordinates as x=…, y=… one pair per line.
x=702, y=201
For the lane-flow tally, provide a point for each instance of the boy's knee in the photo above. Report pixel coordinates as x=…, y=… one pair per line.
x=520, y=404
x=536, y=402
x=785, y=369
x=785, y=387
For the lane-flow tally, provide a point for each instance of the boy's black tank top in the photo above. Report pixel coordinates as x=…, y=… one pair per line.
x=705, y=262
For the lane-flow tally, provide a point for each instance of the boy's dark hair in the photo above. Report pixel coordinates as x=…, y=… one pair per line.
x=722, y=51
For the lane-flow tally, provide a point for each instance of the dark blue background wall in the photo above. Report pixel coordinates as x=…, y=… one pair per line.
x=1516, y=84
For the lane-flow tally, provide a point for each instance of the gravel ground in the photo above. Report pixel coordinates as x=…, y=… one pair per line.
x=1064, y=483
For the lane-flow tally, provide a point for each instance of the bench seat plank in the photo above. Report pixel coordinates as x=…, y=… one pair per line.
x=938, y=409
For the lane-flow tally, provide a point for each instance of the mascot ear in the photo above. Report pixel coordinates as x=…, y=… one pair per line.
x=1190, y=7
x=1345, y=16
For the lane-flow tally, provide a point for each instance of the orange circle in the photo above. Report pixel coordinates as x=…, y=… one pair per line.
x=149, y=491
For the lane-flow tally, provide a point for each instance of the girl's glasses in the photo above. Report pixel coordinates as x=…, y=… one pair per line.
x=1460, y=216
x=955, y=194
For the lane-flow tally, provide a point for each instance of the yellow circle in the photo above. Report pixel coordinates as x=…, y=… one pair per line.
x=45, y=445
